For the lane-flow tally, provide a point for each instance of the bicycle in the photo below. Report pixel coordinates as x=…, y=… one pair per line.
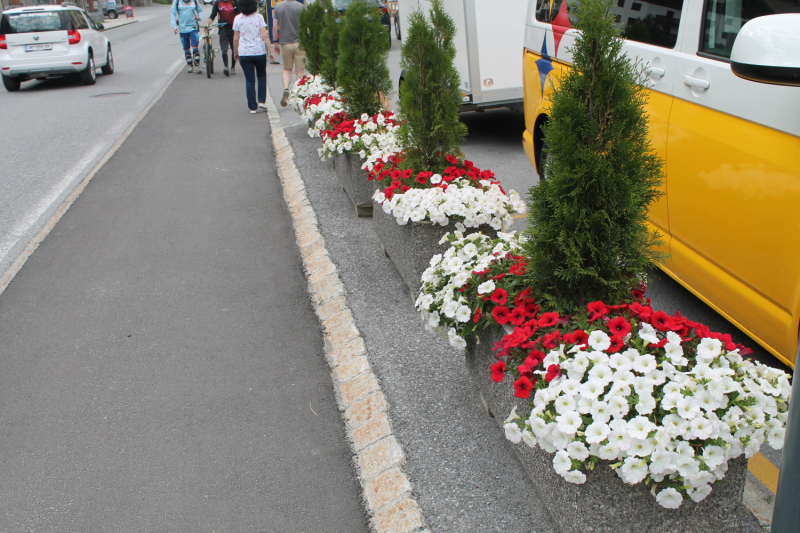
x=208, y=48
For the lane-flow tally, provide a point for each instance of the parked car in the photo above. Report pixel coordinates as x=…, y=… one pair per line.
x=342, y=6
x=43, y=41
x=731, y=149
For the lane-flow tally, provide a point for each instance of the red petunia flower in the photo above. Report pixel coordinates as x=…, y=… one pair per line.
x=478, y=315
x=616, y=344
x=523, y=387
x=451, y=159
x=552, y=339
x=553, y=371
x=597, y=309
x=581, y=337
x=643, y=312
x=396, y=174
x=618, y=326
x=422, y=180
x=518, y=316
x=407, y=173
x=498, y=371
x=405, y=188
x=548, y=319
x=499, y=296
x=661, y=321
x=501, y=314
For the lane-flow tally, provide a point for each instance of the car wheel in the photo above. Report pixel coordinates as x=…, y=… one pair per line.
x=542, y=160
x=11, y=84
x=112, y=15
x=89, y=74
x=108, y=68
x=397, y=28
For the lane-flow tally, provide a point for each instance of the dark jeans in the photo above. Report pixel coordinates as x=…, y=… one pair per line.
x=255, y=67
x=225, y=42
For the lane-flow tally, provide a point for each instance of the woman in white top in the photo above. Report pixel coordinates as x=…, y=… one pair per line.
x=250, y=46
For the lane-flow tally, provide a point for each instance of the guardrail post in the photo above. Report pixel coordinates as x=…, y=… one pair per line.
x=786, y=514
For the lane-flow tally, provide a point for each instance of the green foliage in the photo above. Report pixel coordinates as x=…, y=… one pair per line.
x=363, y=49
x=430, y=95
x=329, y=44
x=312, y=22
x=587, y=234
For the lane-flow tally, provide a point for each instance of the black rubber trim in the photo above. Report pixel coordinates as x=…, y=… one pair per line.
x=766, y=74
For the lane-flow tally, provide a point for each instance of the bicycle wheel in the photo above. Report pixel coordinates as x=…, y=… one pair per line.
x=208, y=58
x=211, y=63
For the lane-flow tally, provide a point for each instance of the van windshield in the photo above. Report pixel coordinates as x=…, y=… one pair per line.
x=34, y=21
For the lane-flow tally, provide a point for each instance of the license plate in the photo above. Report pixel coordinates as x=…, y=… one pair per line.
x=38, y=47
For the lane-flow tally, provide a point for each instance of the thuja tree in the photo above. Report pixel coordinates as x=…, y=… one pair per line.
x=430, y=95
x=588, y=239
x=329, y=44
x=363, y=48
x=312, y=22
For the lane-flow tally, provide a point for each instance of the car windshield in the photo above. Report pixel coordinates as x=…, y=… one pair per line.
x=34, y=21
x=343, y=4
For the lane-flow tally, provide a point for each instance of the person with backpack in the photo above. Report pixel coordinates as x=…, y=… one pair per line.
x=250, y=47
x=227, y=11
x=185, y=15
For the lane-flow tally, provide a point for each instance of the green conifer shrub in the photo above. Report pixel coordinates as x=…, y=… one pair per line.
x=329, y=44
x=312, y=22
x=430, y=94
x=363, y=49
x=588, y=239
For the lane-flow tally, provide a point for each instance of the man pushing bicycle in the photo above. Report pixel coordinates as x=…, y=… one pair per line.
x=227, y=11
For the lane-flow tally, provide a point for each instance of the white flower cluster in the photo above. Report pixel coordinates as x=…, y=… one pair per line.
x=471, y=205
x=660, y=418
x=313, y=85
x=374, y=140
x=330, y=104
x=440, y=302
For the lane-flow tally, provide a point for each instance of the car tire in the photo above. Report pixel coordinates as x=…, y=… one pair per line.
x=108, y=68
x=89, y=74
x=11, y=84
x=542, y=159
x=112, y=15
x=397, y=28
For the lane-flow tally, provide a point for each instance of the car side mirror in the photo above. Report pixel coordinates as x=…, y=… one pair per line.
x=767, y=50
x=99, y=26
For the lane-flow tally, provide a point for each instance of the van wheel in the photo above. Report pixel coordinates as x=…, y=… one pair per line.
x=108, y=68
x=89, y=74
x=11, y=84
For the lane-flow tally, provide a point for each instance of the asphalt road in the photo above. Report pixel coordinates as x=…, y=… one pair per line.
x=161, y=368
x=55, y=131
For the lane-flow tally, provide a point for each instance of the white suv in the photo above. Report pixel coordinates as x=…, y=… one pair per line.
x=41, y=41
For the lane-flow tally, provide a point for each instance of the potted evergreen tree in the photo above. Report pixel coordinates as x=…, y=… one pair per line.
x=364, y=79
x=311, y=26
x=429, y=189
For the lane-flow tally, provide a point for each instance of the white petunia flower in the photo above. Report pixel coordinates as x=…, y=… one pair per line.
x=597, y=432
x=513, y=432
x=640, y=427
x=486, y=287
x=575, y=476
x=569, y=422
x=599, y=340
x=562, y=463
x=669, y=498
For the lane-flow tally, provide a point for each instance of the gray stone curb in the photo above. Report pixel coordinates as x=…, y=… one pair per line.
x=379, y=457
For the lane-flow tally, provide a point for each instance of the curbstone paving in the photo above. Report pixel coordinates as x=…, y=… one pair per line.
x=387, y=491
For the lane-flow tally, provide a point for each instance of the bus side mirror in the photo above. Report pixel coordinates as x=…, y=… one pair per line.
x=767, y=50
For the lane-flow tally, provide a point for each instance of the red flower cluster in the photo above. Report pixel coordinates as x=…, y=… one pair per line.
x=342, y=124
x=403, y=180
x=315, y=99
x=524, y=349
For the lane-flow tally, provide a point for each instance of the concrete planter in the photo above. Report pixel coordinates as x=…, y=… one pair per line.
x=355, y=183
x=604, y=504
x=411, y=247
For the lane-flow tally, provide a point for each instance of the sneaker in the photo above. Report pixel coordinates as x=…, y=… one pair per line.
x=191, y=69
x=233, y=71
x=262, y=105
x=285, y=99
x=226, y=72
x=253, y=111
x=199, y=70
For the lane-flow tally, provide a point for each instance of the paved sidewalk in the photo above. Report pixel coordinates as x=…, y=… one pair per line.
x=161, y=368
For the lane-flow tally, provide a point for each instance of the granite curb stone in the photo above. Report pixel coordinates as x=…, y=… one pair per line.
x=378, y=456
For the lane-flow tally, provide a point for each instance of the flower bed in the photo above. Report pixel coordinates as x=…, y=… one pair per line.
x=370, y=137
x=659, y=399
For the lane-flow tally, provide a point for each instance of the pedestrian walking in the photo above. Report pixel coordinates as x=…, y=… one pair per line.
x=185, y=15
x=286, y=15
x=250, y=48
x=227, y=11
